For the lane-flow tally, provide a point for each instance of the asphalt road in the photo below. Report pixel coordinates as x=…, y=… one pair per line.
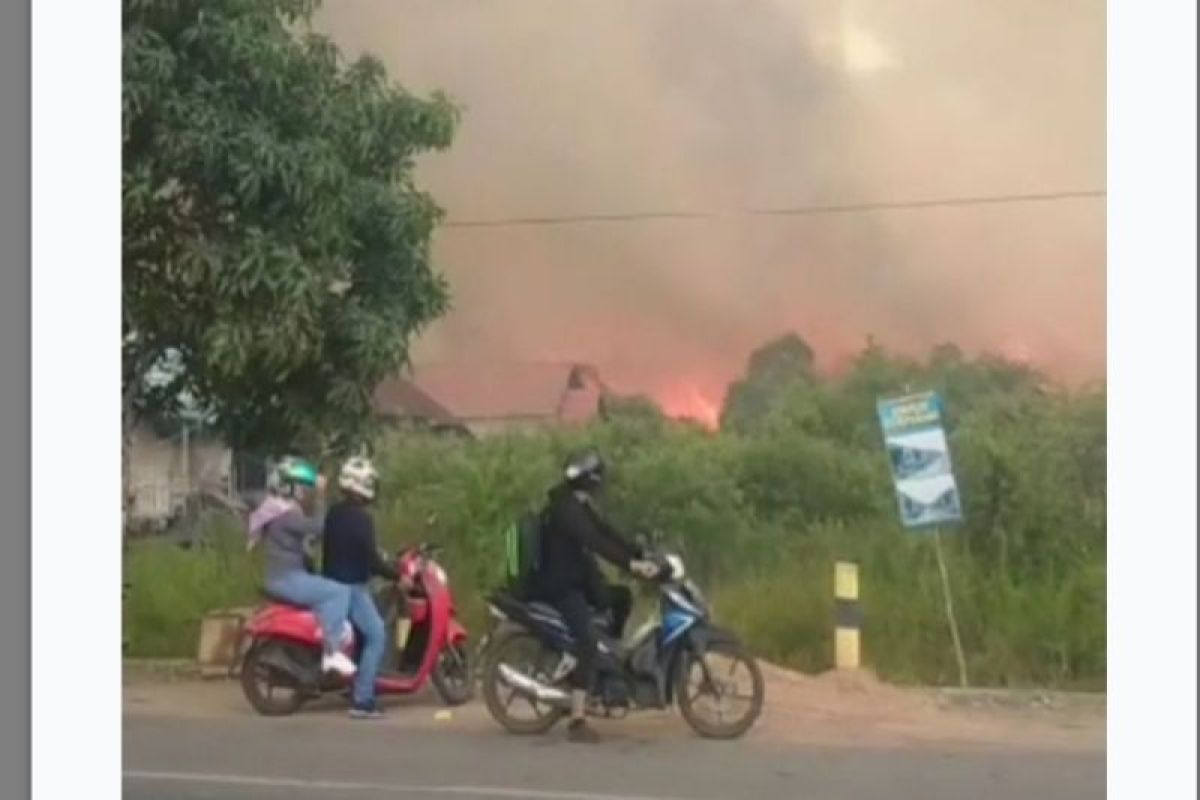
x=326, y=756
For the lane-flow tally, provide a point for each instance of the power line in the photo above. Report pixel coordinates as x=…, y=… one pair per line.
x=802, y=211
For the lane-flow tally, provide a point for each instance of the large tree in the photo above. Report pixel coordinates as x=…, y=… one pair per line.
x=276, y=250
x=772, y=370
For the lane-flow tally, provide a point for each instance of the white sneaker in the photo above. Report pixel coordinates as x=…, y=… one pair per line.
x=339, y=663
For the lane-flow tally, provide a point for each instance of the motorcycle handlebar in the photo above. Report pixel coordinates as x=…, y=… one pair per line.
x=666, y=568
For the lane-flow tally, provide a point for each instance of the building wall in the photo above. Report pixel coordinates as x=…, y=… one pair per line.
x=490, y=427
x=159, y=478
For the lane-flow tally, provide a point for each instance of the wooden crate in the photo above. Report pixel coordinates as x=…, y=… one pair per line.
x=220, y=635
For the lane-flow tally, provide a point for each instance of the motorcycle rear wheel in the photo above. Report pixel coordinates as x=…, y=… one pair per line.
x=689, y=668
x=260, y=679
x=524, y=653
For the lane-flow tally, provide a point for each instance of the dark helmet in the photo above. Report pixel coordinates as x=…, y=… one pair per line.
x=585, y=471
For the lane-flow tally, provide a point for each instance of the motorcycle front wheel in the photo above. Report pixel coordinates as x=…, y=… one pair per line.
x=720, y=692
x=524, y=653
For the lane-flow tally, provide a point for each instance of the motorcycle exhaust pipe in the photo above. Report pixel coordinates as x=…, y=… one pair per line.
x=284, y=662
x=306, y=672
x=536, y=689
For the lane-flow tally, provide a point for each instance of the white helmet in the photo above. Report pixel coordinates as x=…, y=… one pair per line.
x=358, y=475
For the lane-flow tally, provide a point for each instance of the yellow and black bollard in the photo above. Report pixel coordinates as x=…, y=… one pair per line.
x=848, y=622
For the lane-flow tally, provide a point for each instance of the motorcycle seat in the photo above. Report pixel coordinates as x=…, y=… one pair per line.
x=544, y=609
x=541, y=609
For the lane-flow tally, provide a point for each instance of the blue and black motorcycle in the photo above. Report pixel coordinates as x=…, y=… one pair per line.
x=678, y=657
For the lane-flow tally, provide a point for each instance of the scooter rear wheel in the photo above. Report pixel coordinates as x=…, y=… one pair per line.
x=270, y=690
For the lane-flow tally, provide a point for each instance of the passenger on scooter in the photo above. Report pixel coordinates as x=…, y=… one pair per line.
x=286, y=522
x=569, y=578
x=351, y=557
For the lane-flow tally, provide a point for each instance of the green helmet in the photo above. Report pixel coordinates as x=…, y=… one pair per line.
x=292, y=471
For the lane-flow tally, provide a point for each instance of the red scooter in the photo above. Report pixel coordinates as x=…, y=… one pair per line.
x=281, y=668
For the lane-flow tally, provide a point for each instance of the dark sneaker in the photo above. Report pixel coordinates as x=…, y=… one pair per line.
x=370, y=711
x=579, y=731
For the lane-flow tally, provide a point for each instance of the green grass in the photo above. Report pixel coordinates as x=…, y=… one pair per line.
x=171, y=589
x=1043, y=633
x=1039, y=633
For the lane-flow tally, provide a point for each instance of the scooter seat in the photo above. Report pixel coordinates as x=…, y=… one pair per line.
x=265, y=594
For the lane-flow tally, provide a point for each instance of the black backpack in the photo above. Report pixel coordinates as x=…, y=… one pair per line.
x=523, y=552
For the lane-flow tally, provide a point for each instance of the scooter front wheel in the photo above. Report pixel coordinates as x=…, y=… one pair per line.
x=270, y=690
x=453, y=676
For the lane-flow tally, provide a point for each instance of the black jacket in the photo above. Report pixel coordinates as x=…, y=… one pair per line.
x=349, y=551
x=574, y=534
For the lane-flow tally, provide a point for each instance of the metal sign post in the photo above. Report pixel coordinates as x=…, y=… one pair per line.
x=949, y=600
x=926, y=491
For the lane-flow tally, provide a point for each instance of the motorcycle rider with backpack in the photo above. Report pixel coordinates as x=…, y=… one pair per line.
x=568, y=577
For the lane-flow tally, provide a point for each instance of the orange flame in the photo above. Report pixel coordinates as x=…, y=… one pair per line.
x=687, y=401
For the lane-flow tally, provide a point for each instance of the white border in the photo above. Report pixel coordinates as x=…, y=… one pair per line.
x=75, y=399
x=1152, y=399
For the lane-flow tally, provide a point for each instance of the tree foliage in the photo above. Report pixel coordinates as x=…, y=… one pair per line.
x=761, y=514
x=772, y=369
x=276, y=249
x=1029, y=456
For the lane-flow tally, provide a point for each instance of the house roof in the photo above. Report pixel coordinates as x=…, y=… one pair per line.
x=503, y=390
x=402, y=398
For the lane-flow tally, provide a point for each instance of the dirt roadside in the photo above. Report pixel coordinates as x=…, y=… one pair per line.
x=833, y=709
x=856, y=708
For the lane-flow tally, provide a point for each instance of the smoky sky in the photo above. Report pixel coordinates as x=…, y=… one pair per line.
x=577, y=107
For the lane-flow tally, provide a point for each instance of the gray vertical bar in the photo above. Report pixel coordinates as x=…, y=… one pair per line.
x=14, y=399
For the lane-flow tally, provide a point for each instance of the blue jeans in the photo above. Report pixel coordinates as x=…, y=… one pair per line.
x=364, y=616
x=328, y=599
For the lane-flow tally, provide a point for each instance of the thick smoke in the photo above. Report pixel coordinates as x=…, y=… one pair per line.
x=618, y=106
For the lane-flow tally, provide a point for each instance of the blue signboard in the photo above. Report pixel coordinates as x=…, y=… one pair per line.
x=926, y=491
